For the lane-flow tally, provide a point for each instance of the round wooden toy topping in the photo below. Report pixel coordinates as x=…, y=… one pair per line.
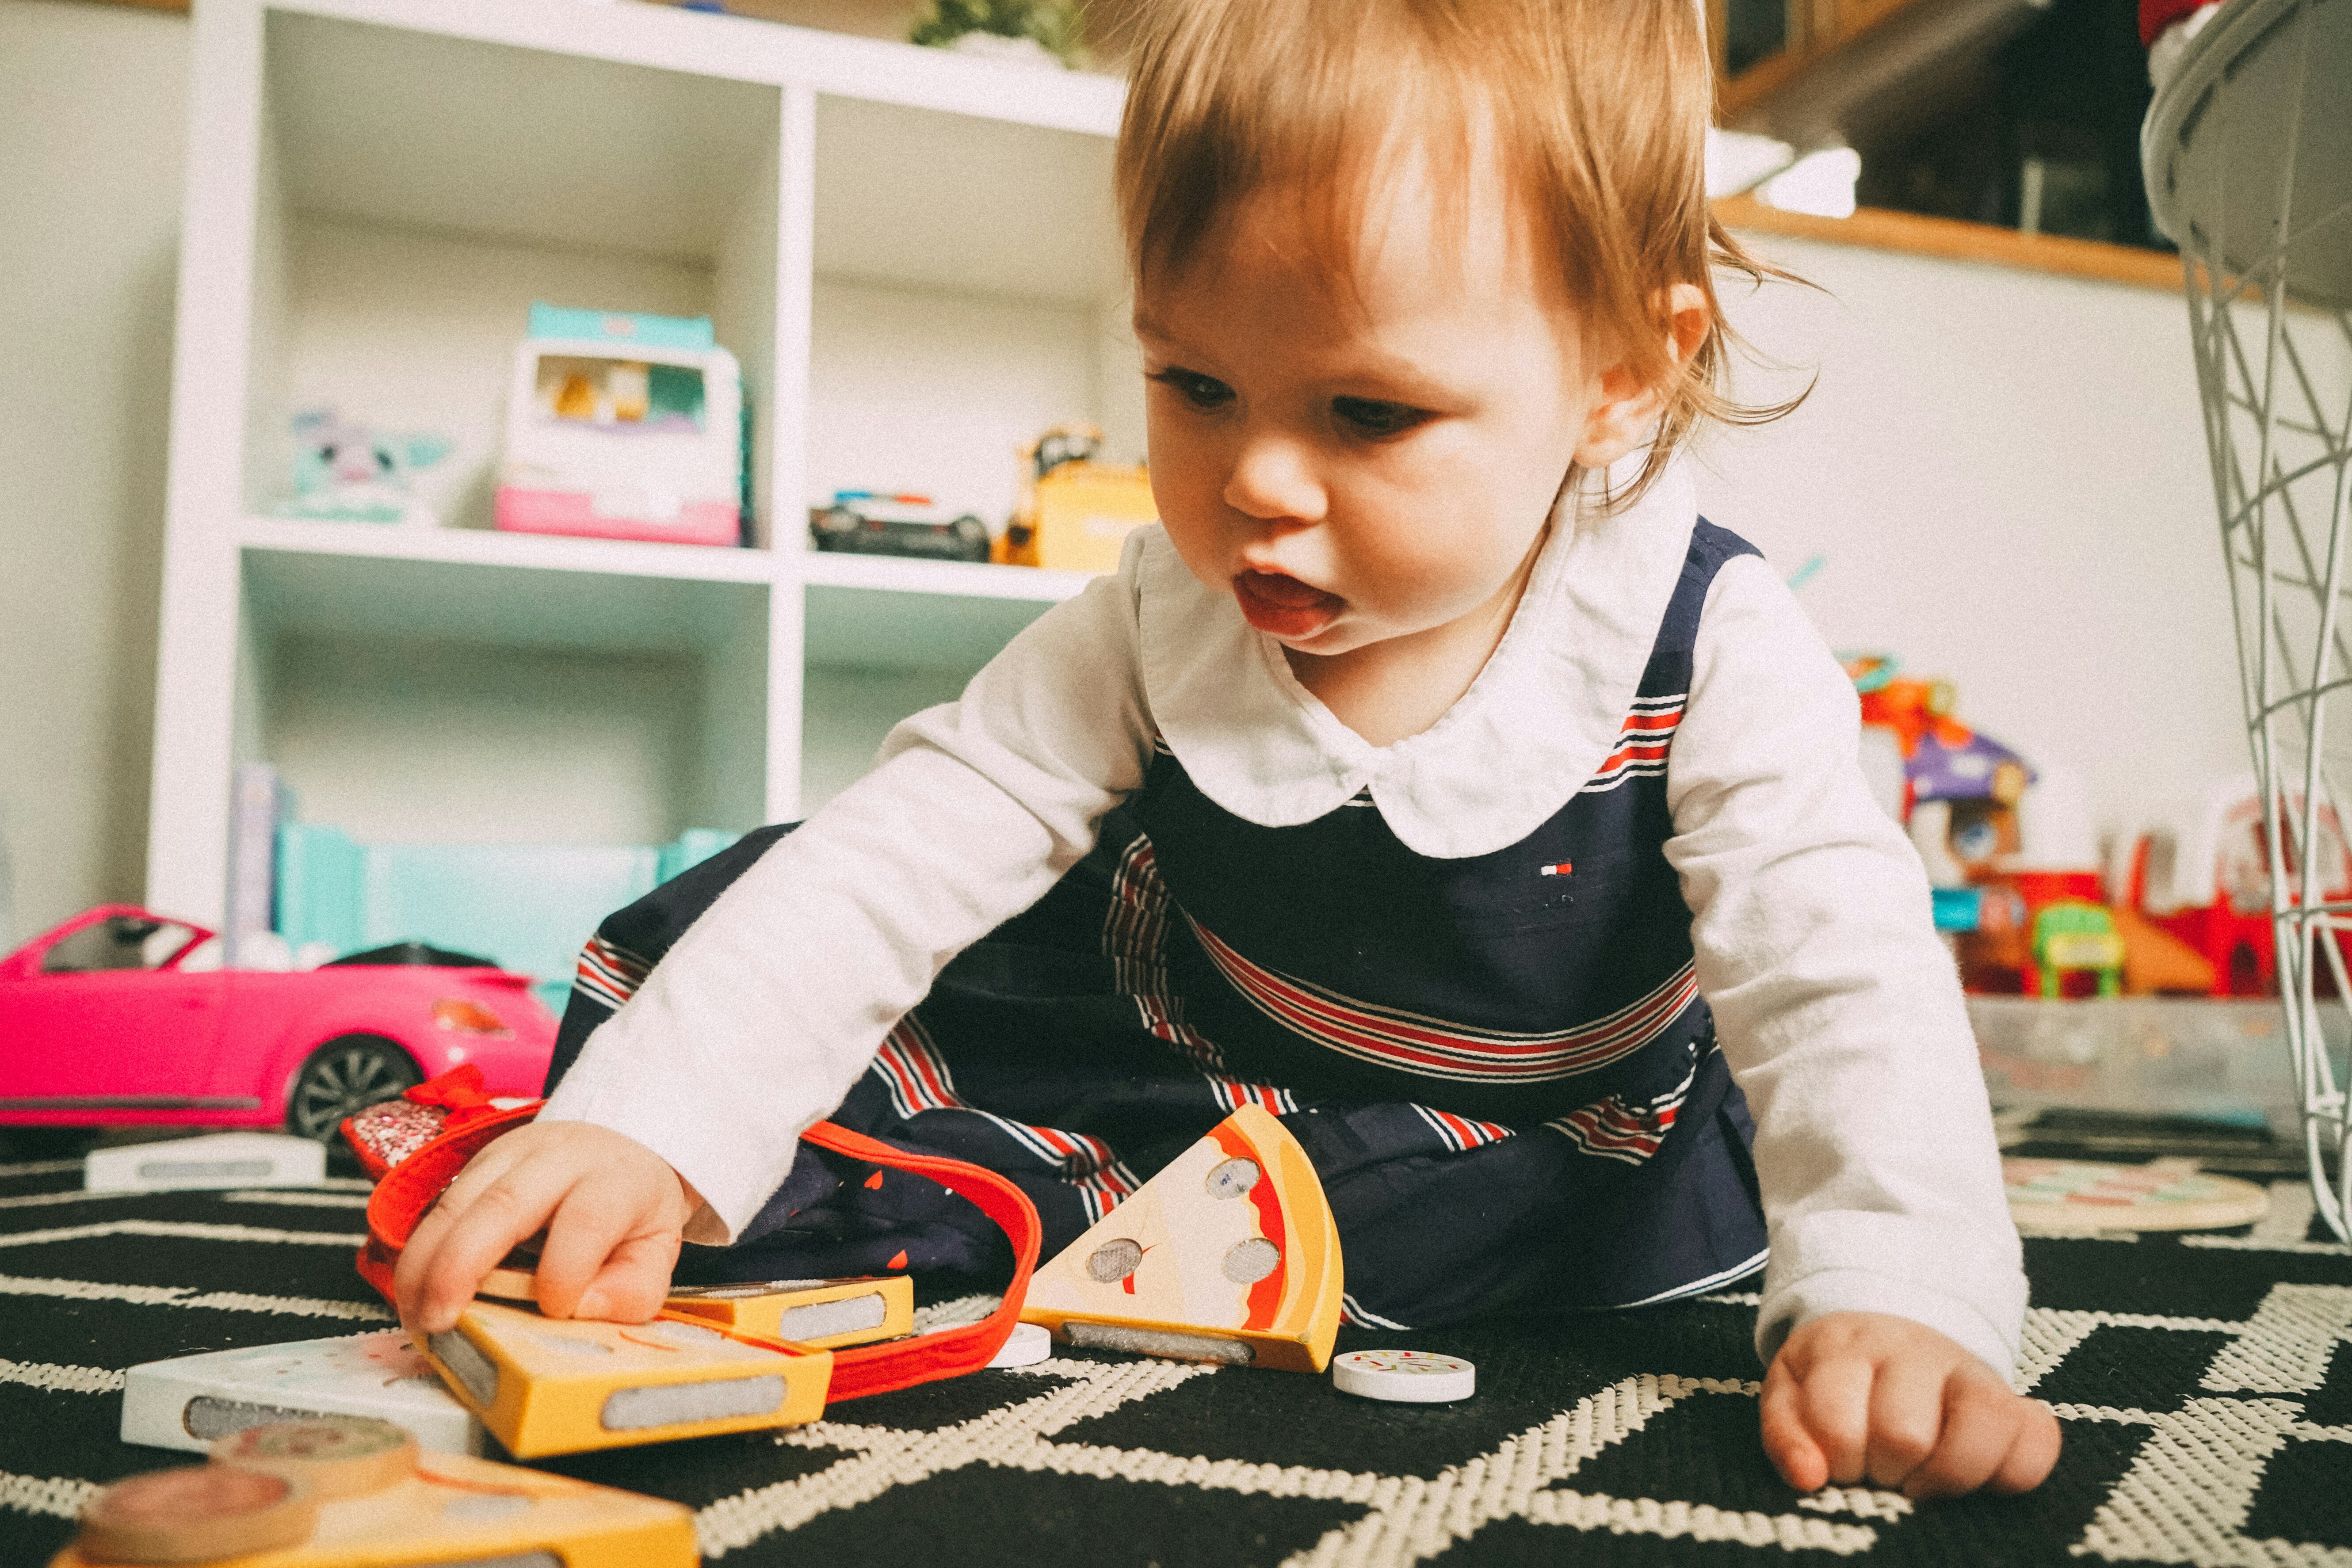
x=1028, y=1345
x=1231, y=1178
x=197, y=1514
x=1247, y=1262
x=335, y=1455
x=1114, y=1260
x=1405, y=1377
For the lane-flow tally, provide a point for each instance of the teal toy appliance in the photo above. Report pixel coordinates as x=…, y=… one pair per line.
x=623, y=425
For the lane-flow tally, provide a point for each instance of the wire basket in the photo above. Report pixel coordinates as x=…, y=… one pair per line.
x=2248, y=154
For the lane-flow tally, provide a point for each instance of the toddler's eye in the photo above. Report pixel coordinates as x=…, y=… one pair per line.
x=1199, y=391
x=1369, y=416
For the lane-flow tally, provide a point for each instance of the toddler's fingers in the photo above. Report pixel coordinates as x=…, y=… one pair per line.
x=1833, y=1403
x=2033, y=1453
x=598, y=1221
x=1787, y=1444
x=633, y=1282
x=1906, y=1416
x=1981, y=1420
x=467, y=1245
x=418, y=1257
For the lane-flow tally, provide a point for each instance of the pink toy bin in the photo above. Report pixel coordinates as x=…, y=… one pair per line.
x=584, y=514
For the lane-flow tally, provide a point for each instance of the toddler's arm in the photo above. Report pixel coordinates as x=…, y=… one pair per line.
x=1840, y=1014
x=759, y=1018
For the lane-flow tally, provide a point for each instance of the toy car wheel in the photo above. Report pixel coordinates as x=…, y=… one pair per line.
x=343, y=1078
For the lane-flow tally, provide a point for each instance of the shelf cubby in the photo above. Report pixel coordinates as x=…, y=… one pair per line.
x=417, y=193
x=907, y=640
x=913, y=254
x=968, y=293
x=409, y=701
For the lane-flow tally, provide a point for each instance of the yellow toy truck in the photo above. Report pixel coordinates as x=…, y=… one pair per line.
x=1075, y=514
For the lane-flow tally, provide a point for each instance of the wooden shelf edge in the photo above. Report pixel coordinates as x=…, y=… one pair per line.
x=954, y=579
x=1876, y=229
x=648, y=559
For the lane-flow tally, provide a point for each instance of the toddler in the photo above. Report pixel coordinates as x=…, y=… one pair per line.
x=1432, y=776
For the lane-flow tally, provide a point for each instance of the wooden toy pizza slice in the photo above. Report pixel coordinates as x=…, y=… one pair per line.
x=1228, y=1255
x=823, y=1314
x=187, y=1401
x=354, y=1493
x=552, y=1386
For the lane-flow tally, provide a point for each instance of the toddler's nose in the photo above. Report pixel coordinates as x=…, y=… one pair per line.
x=1274, y=481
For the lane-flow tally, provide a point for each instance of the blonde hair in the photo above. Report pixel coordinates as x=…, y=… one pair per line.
x=1594, y=113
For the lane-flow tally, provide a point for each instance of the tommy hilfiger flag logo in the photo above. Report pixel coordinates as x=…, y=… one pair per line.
x=1559, y=869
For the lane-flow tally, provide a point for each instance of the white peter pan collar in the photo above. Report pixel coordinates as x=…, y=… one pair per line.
x=1534, y=727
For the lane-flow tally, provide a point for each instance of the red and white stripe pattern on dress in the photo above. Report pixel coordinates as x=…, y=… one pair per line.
x=910, y=1066
x=1614, y=1129
x=1433, y=1047
x=607, y=973
x=1233, y=1094
x=1460, y=1133
x=1135, y=938
x=1641, y=742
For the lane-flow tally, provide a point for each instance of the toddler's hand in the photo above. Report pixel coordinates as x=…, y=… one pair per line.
x=1862, y=1395
x=612, y=1207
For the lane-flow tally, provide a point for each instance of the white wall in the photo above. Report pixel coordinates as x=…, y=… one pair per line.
x=880, y=370
x=92, y=110
x=2007, y=474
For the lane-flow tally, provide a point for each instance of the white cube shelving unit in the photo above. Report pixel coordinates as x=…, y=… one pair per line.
x=912, y=254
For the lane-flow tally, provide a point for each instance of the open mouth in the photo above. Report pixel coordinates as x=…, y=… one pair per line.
x=1283, y=605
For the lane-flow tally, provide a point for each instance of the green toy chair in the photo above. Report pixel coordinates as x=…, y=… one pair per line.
x=2073, y=934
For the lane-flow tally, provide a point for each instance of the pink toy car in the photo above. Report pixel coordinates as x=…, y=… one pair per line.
x=105, y=1021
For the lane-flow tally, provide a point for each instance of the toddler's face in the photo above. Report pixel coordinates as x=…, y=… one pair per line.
x=1354, y=469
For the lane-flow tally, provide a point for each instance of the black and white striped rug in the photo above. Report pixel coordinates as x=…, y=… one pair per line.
x=2205, y=1386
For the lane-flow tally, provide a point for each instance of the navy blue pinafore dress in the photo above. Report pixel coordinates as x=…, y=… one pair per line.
x=1500, y=1064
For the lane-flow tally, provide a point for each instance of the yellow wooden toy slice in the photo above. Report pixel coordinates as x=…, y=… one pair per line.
x=452, y=1509
x=549, y=1385
x=822, y=1314
x=1228, y=1255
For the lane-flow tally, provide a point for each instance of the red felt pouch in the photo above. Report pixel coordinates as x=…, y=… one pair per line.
x=406, y=1189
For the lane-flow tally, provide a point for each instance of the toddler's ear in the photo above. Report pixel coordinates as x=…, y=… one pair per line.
x=1628, y=407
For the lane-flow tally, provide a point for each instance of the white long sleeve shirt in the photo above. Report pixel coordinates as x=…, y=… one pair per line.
x=1836, y=1006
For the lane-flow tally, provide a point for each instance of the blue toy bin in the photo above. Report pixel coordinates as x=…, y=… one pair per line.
x=529, y=907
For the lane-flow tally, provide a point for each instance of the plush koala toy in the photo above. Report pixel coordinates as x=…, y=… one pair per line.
x=350, y=472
